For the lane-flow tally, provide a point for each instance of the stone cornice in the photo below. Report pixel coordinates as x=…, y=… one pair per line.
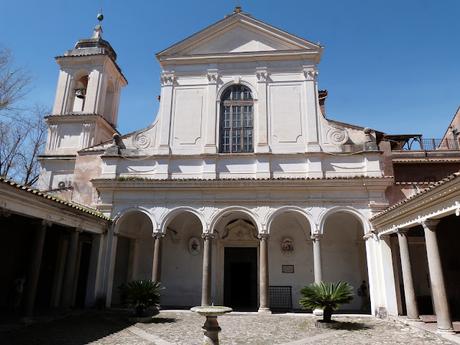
x=242, y=57
x=338, y=183
x=80, y=117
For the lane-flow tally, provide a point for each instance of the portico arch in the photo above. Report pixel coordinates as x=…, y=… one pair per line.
x=132, y=247
x=132, y=210
x=344, y=209
x=290, y=209
x=182, y=257
x=233, y=212
x=290, y=254
x=177, y=211
x=344, y=253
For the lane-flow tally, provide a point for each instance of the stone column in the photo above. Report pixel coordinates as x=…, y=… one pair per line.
x=264, y=298
x=409, y=292
x=69, y=277
x=207, y=258
x=156, y=267
x=438, y=288
x=34, y=268
x=318, y=270
x=113, y=244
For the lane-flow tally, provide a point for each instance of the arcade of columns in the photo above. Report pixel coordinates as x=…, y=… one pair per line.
x=438, y=287
x=263, y=269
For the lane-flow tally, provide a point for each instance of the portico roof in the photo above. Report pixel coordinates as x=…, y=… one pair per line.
x=17, y=198
x=438, y=200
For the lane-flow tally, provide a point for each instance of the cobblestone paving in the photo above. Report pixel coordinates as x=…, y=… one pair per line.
x=184, y=328
x=284, y=329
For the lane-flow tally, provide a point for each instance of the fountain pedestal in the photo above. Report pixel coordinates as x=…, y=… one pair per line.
x=211, y=327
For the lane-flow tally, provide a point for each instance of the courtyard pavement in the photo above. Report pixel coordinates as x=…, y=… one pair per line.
x=184, y=328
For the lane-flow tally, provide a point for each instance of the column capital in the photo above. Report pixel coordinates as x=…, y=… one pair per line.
x=208, y=236
x=263, y=236
x=168, y=79
x=213, y=76
x=430, y=224
x=158, y=235
x=401, y=231
x=262, y=74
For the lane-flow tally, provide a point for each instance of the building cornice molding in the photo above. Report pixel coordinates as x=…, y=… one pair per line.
x=80, y=117
x=333, y=184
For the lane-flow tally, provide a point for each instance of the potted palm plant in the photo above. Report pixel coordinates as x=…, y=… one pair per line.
x=326, y=296
x=143, y=296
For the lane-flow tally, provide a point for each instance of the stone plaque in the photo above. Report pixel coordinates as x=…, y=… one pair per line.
x=287, y=268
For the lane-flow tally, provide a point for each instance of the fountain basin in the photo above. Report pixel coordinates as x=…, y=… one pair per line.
x=213, y=310
x=211, y=327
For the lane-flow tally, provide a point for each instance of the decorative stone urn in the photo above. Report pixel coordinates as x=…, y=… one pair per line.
x=211, y=327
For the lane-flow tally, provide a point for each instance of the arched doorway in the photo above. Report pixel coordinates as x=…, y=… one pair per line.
x=290, y=259
x=344, y=256
x=181, y=261
x=134, y=250
x=237, y=257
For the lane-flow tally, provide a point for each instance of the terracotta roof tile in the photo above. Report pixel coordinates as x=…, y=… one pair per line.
x=53, y=198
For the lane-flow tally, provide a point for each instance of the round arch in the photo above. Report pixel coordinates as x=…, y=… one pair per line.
x=178, y=210
x=234, y=209
x=125, y=212
x=272, y=216
x=226, y=85
x=345, y=209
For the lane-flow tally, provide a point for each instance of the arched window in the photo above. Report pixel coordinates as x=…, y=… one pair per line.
x=79, y=95
x=236, y=120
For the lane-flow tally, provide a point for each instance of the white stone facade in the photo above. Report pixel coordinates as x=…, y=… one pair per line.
x=305, y=179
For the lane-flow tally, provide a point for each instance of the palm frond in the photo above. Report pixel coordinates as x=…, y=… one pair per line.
x=326, y=295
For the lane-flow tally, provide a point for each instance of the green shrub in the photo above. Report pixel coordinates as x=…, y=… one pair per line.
x=141, y=295
x=326, y=296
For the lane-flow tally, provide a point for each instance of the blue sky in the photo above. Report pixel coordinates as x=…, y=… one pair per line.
x=390, y=65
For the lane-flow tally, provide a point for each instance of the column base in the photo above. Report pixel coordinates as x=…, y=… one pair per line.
x=414, y=319
x=445, y=331
x=264, y=311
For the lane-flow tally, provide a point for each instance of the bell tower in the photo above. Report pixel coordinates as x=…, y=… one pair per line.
x=86, y=105
x=85, y=109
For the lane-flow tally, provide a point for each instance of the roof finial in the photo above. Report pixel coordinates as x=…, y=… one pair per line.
x=97, y=33
x=237, y=9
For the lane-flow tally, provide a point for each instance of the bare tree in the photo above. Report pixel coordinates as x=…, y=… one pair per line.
x=14, y=82
x=33, y=146
x=12, y=135
x=22, y=131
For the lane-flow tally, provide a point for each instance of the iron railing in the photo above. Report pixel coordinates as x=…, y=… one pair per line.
x=430, y=144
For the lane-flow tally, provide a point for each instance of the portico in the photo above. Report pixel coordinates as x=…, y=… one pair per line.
x=292, y=245
x=431, y=217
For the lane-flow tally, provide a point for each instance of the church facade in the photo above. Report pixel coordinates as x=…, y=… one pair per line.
x=241, y=191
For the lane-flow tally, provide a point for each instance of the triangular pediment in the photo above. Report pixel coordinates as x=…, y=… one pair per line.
x=236, y=34
x=240, y=38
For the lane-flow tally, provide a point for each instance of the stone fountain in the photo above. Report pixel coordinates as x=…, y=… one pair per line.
x=211, y=326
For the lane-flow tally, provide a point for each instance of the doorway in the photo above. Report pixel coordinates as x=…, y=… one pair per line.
x=240, y=278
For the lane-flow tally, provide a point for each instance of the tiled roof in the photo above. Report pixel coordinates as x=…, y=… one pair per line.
x=418, y=194
x=53, y=198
